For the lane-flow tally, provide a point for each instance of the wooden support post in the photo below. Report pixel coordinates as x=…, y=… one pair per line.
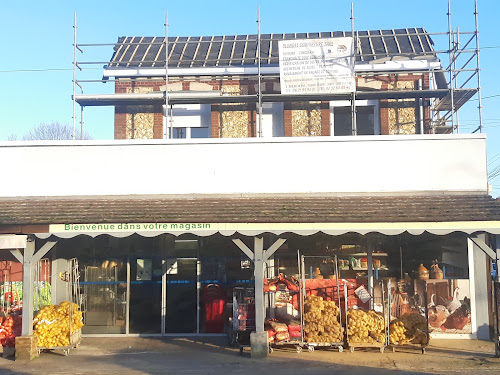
x=496, y=285
x=28, y=280
x=260, y=315
x=259, y=256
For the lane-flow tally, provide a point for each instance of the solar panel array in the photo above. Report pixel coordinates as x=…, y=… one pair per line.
x=241, y=50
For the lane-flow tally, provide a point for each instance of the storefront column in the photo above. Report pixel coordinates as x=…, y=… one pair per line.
x=479, y=276
x=369, y=251
x=496, y=286
x=28, y=280
x=259, y=339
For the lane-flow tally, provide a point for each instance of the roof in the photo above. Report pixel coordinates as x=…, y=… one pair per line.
x=238, y=50
x=264, y=209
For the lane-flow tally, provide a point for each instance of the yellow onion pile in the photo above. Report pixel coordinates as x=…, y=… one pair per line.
x=52, y=324
x=321, y=321
x=365, y=327
x=410, y=327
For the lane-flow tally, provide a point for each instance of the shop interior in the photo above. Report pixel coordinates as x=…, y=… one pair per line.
x=188, y=284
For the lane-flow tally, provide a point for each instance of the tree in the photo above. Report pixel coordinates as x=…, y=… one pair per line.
x=53, y=131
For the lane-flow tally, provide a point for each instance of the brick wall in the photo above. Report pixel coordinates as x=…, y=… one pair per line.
x=248, y=86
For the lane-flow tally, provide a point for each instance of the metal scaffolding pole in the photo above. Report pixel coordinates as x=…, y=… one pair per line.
x=166, y=82
x=259, y=77
x=81, y=122
x=451, y=56
x=74, y=78
x=455, y=83
x=478, y=69
x=353, y=98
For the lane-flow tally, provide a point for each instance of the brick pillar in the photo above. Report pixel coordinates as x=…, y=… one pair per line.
x=384, y=117
x=120, y=123
x=252, y=122
x=158, y=123
x=215, y=119
x=325, y=119
x=26, y=348
x=287, y=119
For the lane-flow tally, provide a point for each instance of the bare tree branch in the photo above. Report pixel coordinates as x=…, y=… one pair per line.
x=53, y=131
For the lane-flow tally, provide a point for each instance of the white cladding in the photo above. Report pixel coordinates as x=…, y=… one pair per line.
x=361, y=164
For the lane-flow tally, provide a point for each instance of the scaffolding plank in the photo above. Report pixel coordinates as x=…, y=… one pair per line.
x=460, y=97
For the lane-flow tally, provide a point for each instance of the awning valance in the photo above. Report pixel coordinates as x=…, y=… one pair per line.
x=255, y=229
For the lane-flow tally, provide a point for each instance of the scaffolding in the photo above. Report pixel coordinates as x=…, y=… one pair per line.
x=452, y=82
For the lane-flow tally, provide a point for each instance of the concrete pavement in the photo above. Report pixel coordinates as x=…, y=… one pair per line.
x=140, y=355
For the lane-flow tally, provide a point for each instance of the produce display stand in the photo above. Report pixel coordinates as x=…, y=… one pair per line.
x=423, y=334
x=329, y=262
x=243, y=317
x=72, y=279
x=281, y=291
x=377, y=343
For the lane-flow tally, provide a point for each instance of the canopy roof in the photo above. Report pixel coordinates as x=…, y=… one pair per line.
x=249, y=215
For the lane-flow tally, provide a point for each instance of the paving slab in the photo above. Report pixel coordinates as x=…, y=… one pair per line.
x=155, y=355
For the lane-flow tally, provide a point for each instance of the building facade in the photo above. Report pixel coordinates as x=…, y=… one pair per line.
x=227, y=183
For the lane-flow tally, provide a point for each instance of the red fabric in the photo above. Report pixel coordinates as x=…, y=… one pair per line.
x=295, y=334
x=214, y=308
x=327, y=288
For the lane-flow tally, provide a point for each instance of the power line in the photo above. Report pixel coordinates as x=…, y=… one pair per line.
x=41, y=70
x=485, y=97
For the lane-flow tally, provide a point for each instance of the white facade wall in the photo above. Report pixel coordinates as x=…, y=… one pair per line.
x=362, y=164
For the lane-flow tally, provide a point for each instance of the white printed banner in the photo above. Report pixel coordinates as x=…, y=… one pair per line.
x=317, y=66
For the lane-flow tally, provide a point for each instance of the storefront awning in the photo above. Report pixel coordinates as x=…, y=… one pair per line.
x=249, y=215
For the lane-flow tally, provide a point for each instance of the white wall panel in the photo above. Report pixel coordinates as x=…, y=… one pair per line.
x=385, y=164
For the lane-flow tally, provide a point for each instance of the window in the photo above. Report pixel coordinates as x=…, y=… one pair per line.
x=367, y=118
x=189, y=121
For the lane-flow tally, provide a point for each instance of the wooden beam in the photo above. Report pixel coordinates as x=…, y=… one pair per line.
x=24, y=229
x=272, y=249
x=482, y=245
x=17, y=253
x=43, y=250
x=249, y=253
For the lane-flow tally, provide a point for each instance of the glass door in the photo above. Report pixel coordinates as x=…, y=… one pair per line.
x=104, y=297
x=145, y=294
x=182, y=295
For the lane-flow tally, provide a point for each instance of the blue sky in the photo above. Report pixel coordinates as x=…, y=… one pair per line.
x=37, y=52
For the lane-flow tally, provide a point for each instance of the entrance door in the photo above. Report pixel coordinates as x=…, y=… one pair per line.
x=182, y=295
